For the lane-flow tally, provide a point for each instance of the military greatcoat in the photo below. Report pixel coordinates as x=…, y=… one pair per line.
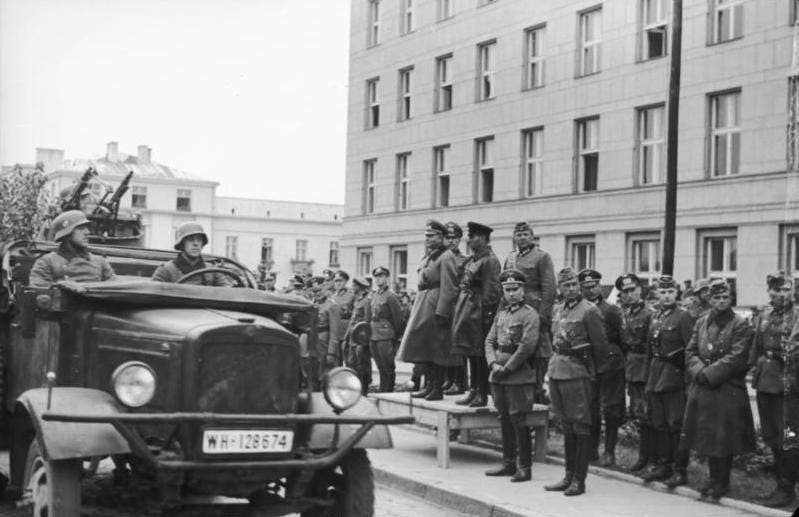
x=66, y=263
x=477, y=303
x=718, y=418
x=427, y=339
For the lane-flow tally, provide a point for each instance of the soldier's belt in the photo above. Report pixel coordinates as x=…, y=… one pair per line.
x=574, y=351
x=508, y=349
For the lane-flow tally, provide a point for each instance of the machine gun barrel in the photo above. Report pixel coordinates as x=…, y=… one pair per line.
x=113, y=203
x=73, y=202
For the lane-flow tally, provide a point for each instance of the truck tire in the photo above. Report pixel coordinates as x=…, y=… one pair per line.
x=51, y=487
x=351, y=485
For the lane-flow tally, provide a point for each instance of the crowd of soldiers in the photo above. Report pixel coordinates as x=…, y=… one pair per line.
x=683, y=361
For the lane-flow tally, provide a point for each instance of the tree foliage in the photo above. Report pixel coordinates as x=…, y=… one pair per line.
x=26, y=208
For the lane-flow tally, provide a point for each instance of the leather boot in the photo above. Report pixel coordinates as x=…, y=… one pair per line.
x=458, y=381
x=680, y=476
x=391, y=380
x=448, y=378
x=481, y=399
x=509, y=454
x=596, y=431
x=472, y=384
x=569, y=442
x=524, y=454
x=316, y=369
x=582, y=450
x=784, y=466
x=608, y=458
x=465, y=401
x=436, y=376
x=425, y=391
x=643, y=448
x=722, y=485
x=662, y=470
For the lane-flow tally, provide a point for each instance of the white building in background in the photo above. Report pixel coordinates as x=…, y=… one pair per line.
x=288, y=236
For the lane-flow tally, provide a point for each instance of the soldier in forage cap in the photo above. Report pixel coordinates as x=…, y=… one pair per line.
x=578, y=340
x=539, y=292
x=455, y=371
x=608, y=401
x=386, y=324
x=773, y=327
x=427, y=338
x=511, y=341
x=356, y=353
x=718, y=420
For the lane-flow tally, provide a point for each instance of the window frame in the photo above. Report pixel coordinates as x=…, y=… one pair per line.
x=138, y=196
x=789, y=250
x=267, y=249
x=407, y=17
x=232, y=246
x=373, y=23
x=402, y=201
x=185, y=194
x=399, y=273
x=582, y=153
x=704, y=238
x=585, y=46
x=573, y=242
x=443, y=84
x=659, y=25
x=441, y=173
x=301, y=250
x=732, y=159
x=715, y=26
x=529, y=141
x=484, y=169
x=372, y=103
x=534, y=59
x=486, y=73
x=333, y=259
x=657, y=142
x=369, y=185
x=655, y=261
x=404, y=94
x=445, y=9
x=365, y=259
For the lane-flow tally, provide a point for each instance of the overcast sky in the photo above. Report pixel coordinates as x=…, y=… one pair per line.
x=249, y=93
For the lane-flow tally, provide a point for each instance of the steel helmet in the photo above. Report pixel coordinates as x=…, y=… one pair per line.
x=361, y=333
x=187, y=230
x=66, y=222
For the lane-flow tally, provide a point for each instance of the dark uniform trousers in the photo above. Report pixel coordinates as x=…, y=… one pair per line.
x=357, y=355
x=386, y=324
x=511, y=341
x=634, y=337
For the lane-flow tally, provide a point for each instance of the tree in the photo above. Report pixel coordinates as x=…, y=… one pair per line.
x=26, y=208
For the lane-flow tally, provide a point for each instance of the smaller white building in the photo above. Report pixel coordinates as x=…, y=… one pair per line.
x=288, y=237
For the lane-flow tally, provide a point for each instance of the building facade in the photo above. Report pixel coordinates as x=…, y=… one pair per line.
x=554, y=112
x=288, y=237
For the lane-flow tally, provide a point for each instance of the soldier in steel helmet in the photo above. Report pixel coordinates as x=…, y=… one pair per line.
x=190, y=240
x=72, y=260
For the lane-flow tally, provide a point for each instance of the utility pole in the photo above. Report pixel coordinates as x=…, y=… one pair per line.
x=673, y=115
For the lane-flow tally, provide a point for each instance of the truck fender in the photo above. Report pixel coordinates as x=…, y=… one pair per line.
x=64, y=440
x=322, y=434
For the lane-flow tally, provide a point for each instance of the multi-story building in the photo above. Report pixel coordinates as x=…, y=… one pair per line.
x=555, y=113
x=286, y=236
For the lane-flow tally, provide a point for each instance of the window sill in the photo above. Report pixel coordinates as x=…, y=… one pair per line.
x=443, y=110
x=580, y=76
x=722, y=42
x=642, y=60
x=531, y=88
x=488, y=99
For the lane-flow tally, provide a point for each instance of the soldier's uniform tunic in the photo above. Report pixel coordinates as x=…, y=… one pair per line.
x=358, y=356
x=69, y=263
x=386, y=324
x=327, y=330
x=345, y=299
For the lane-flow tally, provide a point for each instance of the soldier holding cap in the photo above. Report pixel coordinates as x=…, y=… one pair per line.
x=773, y=326
x=455, y=371
x=327, y=333
x=718, y=419
x=608, y=401
x=539, y=293
x=636, y=318
x=344, y=297
x=474, y=311
x=427, y=337
x=72, y=260
x=356, y=353
x=190, y=240
x=669, y=333
x=578, y=339
x=511, y=341
x=386, y=322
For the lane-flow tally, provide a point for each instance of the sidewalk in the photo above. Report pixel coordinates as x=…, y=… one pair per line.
x=411, y=466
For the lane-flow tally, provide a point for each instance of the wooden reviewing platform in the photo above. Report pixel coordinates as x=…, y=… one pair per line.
x=445, y=415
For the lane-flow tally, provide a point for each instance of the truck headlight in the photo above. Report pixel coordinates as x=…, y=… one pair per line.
x=133, y=383
x=342, y=388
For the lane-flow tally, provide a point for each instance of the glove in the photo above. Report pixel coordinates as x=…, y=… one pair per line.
x=499, y=371
x=702, y=380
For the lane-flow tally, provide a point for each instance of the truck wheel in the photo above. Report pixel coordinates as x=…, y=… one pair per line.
x=52, y=488
x=351, y=485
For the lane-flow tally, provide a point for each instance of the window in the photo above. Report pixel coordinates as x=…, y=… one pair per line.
x=369, y=186
x=643, y=252
x=406, y=17
x=654, y=28
x=232, y=247
x=534, y=57
x=399, y=267
x=267, y=250
x=183, y=203
x=333, y=254
x=726, y=20
x=590, y=41
x=365, y=259
x=404, y=97
x=789, y=250
x=580, y=250
x=403, y=181
x=533, y=164
x=485, y=71
x=650, y=145
x=138, y=197
x=725, y=134
x=372, y=103
x=444, y=9
x=373, y=23
x=719, y=252
x=484, y=158
x=794, y=12
x=793, y=123
x=443, y=83
x=441, y=171
x=588, y=154
x=301, y=250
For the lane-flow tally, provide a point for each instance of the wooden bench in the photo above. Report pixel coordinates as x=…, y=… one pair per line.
x=445, y=415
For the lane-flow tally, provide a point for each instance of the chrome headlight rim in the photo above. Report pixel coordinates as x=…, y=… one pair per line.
x=342, y=388
x=117, y=378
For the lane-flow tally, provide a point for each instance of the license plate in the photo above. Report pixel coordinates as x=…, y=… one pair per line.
x=233, y=441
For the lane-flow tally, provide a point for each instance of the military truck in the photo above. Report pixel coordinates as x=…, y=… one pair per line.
x=196, y=389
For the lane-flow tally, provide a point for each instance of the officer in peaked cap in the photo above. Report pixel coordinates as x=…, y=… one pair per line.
x=669, y=334
x=578, y=339
x=539, y=292
x=344, y=297
x=72, y=260
x=357, y=354
x=608, y=394
x=455, y=370
x=477, y=303
x=427, y=337
x=386, y=324
x=511, y=341
x=768, y=380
